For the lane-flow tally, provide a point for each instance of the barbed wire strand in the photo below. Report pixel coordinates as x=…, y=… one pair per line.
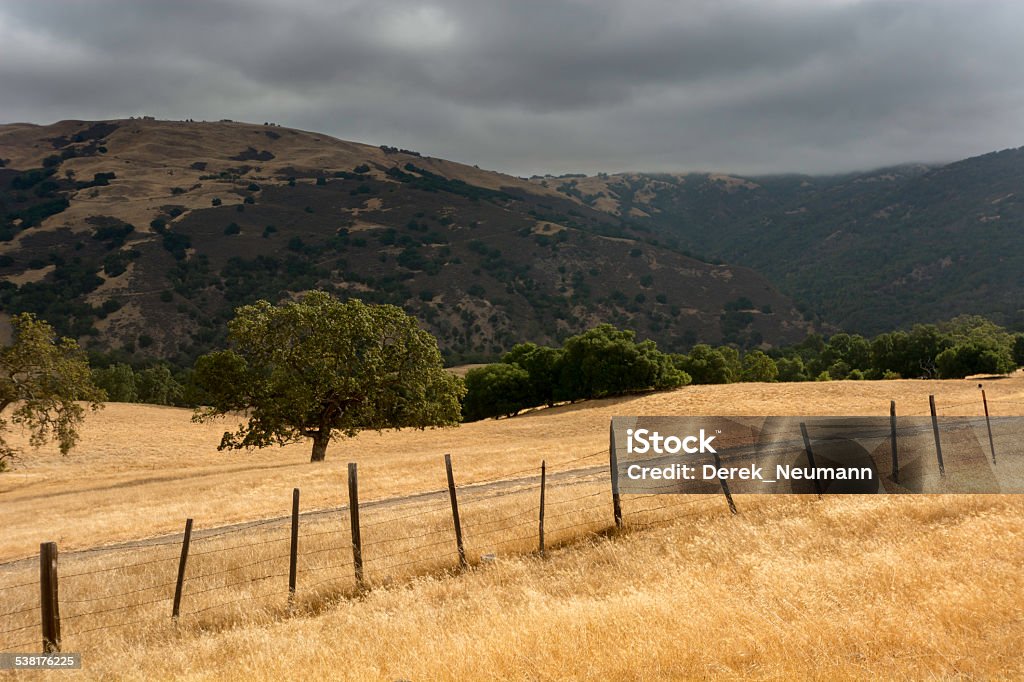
x=115, y=608
x=317, y=584
x=408, y=537
x=235, y=601
x=325, y=532
x=64, y=600
x=119, y=567
x=419, y=512
x=219, y=550
x=436, y=557
x=23, y=627
x=523, y=538
x=335, y=548
x=19, y=611
x=247, y=581
x=129, y=547
x=118, y=626
x=238, y=568
x=489, y=522
x=238, y=528
x=503, y=528
x=19, y=585
x=576, y=499
x=328, y=567
x=406, y=551
x=16, y=647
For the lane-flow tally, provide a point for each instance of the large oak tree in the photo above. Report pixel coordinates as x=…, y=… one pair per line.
x=318, y=367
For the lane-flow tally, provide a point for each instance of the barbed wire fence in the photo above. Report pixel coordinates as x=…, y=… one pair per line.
x=271, y=568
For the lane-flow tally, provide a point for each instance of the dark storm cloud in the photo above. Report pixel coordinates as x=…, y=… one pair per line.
x=524, y=86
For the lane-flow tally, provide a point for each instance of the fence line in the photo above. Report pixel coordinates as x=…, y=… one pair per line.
x=566, y=509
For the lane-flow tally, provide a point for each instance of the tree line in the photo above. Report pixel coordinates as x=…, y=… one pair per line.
x=606, y=361
x=318, y=368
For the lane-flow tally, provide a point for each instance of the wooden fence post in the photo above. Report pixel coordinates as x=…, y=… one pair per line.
x=49, y=604
x=810, y=456
x=543, y=480
x=353, y=513
x=892, y=442
x=991, y=443
x=455, y=511
x=725, y=486
x=935, y=430
x=293, y=565
x=179, y=584
x=613, y=465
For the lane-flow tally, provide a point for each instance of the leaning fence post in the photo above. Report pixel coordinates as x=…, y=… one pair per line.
x=182, y=561
x=725, y=486
x=935, y=430
x=353, y=513
x=988, y=423
x=892, y=441
x=613, y=464
x=543, y=480
x=455, y=511
x=48, y=599
x=810, y=456
x=293, y=552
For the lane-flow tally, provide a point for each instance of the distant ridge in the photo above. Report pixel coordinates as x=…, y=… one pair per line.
x=866, y=252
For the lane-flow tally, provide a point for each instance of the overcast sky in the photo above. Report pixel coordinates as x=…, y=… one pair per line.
x=534, y=86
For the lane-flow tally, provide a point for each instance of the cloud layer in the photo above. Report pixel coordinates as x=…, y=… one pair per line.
x=530, y=86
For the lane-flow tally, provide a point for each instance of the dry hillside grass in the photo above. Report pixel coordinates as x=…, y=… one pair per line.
x=924, y=586
x=140, y=470
x=852, y=589
x=152, y=157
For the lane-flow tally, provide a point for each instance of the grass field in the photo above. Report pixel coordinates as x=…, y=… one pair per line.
x=923, y=586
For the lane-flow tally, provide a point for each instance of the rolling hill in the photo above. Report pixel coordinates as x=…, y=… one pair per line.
x=865, y=252
x=142, y=236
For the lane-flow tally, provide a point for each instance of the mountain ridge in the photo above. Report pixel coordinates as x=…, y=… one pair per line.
x=142, y=236
x=866, y=252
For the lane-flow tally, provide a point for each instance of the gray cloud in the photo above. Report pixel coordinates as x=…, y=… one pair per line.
x=533, y=86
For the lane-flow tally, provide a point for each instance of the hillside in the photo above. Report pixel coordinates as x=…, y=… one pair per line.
x=866, y=252
x=837, y=588
x=144, y=235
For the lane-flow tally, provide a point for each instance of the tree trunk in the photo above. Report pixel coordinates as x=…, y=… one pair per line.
x=320, y=441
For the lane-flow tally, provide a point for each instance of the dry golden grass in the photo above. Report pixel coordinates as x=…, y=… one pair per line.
x=141, y=470
x=910, y=588
x=152, y=157
x=894, y=587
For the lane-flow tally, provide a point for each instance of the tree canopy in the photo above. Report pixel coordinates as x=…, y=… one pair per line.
x=758, y=367
x=606, y=361
x=705, y=365
x=603, y=361
x=42, y=378
x=498, y=390
x=317, y=367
